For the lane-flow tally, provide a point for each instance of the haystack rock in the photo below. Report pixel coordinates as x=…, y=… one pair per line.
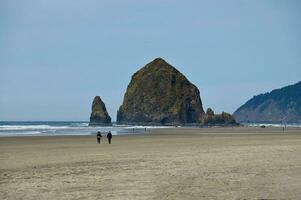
x=159, y=94
x=99, y=115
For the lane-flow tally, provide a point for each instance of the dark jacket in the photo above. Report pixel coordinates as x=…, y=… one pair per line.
x=109, y=135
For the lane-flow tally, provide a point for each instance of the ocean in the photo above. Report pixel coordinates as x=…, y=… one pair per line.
x=48, y=128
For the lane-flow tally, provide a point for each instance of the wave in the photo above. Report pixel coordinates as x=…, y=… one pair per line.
x=80, y=124
x=30, y=127
x=47, y=127
x=21, y=133
x=52, y=128
x=274, y=125
x=147, y=127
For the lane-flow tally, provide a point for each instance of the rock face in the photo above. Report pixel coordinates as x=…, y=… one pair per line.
x=159, y=94
x=99, y=115
x=277, y=106
x=224, y=119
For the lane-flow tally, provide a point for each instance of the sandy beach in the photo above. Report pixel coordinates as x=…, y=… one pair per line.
x=180, y=163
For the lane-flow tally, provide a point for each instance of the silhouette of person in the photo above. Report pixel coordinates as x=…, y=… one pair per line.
x=98, y=137
x=109, y=136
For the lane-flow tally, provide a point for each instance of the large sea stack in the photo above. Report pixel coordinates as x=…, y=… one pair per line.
x=278, y=106
x=99, y=115
x=159, y=94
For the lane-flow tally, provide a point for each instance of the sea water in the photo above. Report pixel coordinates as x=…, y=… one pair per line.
x=48, y=128
x=292, y=125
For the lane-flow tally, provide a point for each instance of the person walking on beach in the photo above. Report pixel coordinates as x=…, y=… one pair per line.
x=98, y=137
x=109, y=136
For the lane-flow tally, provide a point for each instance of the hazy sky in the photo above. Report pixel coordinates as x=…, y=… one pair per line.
x=56, y=55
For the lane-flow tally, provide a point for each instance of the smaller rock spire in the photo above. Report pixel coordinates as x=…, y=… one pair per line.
x=99, y=115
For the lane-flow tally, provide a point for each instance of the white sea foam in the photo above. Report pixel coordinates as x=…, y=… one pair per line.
x=66, y=128
x=22, y=133
x=147, y=127
x=83, y=128
x=273, y=125
x=80, y=124
x=30, y=127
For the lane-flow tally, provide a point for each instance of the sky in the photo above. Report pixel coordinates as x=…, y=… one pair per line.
x=55, y=56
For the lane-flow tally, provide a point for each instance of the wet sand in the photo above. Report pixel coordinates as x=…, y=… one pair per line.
x=180, y=163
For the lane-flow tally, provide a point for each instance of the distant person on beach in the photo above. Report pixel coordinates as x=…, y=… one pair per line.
x=98, y=137
x=109, y=136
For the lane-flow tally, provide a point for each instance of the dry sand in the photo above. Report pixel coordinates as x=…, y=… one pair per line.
x=216, y=163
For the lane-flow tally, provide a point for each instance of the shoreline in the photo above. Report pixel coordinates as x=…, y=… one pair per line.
x=182, y=130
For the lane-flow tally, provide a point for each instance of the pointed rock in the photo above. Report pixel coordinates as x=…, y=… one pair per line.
x=210, y=112
x=99, y=115
x=224, y=119
x=159, y=94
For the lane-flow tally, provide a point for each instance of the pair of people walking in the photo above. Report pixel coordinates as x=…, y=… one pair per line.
x=99, y=136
